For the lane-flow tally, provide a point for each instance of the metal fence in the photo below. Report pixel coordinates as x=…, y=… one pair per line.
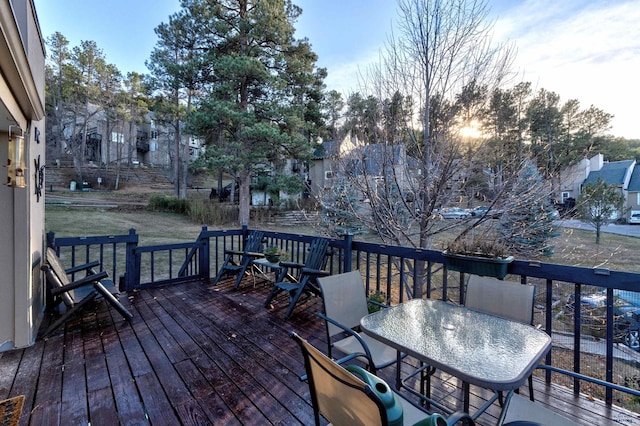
x=588, y=342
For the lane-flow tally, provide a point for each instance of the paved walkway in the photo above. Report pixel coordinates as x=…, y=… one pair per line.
x=628, y=230
x=597, y=347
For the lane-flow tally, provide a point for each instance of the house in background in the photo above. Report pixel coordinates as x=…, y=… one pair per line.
x=624, y=175
x=22, y=149
x=633, y=191
x=352, y=157
x=572, y=178
x=617, y=174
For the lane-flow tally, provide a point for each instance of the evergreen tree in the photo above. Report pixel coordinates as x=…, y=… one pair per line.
x=527, y=226
x=261, y=102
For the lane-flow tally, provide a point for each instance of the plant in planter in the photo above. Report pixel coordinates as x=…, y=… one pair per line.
x=376, y=299
x=274, y=254
x=479, y=254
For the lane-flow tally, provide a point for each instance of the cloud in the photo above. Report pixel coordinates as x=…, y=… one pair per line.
x=582, y=50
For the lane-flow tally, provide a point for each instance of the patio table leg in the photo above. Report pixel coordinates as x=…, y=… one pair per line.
x=465, y=397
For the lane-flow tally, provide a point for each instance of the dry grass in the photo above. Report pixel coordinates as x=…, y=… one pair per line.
x=572, y=247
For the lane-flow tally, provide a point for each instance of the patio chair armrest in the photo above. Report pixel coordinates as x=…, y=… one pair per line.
x=378, y=304
x=316, y=272
x=255, y=254
x=82, y=267
x=366, y=352
x=89, y=279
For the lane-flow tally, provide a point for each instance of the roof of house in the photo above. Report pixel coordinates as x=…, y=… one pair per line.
x=376, y=158
x=634, y=183
x=327, y=149
x=612, y=173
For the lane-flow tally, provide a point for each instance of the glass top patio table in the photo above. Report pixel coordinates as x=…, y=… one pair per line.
x=479, y=349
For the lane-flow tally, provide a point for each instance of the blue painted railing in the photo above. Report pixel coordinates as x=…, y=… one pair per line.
x=390, y=270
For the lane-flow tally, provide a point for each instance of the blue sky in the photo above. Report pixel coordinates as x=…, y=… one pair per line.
x=583, y=49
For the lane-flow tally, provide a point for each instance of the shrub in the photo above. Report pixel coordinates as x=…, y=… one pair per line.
x=171, y=204
x=208, y=212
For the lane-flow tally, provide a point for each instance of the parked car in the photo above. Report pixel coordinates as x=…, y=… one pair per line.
x=481, y=210
x=454, y=213
x=635, y=216
x=626, y=313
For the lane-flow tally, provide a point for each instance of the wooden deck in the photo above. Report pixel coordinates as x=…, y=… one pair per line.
x=199, y=354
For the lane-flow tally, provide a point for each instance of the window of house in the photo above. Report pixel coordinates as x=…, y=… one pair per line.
x=117, y=137
x=328, y=174
x=565, y=195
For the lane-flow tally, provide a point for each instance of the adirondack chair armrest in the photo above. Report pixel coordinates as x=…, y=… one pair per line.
x=255, y=254
x=288, y=265
x=82, y=267
x=89, y=279
x=234, y=252
x=315, y=272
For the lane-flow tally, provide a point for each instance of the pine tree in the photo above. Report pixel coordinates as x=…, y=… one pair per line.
x=527, y=225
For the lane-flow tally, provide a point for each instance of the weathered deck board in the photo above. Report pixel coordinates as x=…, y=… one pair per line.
x=196, y=354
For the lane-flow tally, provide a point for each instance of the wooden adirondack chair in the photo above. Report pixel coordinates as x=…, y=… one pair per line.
x=237, y=262
x=305, y=279
x=62, y=287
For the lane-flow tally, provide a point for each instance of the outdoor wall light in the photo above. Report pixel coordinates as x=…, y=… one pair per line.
x=15, y=161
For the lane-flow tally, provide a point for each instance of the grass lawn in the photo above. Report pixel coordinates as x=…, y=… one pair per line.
x=572, y=247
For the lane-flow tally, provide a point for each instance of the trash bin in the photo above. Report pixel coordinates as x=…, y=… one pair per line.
x=72, y=185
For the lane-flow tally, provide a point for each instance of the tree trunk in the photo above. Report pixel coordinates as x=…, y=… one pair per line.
x=176, y=161
x=245, y=194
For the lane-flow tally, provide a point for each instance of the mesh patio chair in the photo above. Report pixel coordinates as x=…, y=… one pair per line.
x=237, y=262
x=305, y=275
x=519, y=411
x=345, y=303
x=355, y=398
x=505, y=299
x=63, y=290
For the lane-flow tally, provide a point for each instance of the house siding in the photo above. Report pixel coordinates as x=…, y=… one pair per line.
x=22, y=210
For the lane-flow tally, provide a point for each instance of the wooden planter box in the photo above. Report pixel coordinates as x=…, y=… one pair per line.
x=485, y=266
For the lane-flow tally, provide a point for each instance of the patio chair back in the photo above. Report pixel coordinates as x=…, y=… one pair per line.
x=336, y=394
x=506, y=299
x=344, y=299
x=344, y=399
x=345, y=303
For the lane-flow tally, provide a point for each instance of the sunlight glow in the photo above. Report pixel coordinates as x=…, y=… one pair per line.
x=471, y=130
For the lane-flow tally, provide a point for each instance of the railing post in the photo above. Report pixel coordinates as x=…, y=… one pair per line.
x=204, y=255
x=51, y=239
x=609, y=358
x=348, y=250
x=577, y=335
x=132, y=270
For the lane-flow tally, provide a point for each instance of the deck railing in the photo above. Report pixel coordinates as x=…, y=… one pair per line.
x=596, y=355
